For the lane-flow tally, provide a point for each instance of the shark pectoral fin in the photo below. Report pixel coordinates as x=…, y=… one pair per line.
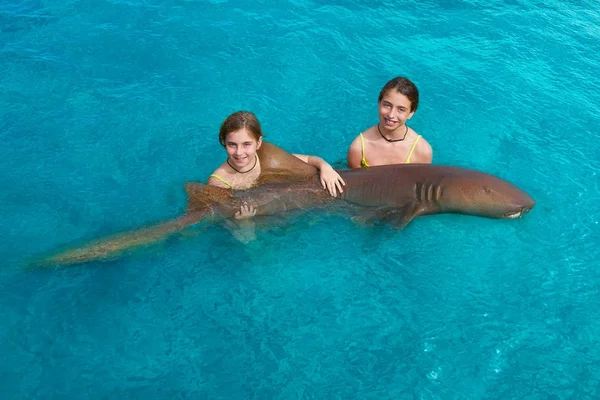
x=376, y=216
x=362, y=220
x=368, y=218
x=400, y=217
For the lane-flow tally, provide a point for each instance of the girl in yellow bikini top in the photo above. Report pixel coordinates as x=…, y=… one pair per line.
x=222, y=180
x=363, y=161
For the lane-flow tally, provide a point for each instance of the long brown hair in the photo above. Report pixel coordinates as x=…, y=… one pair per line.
x=406, y=87
x=240, y=120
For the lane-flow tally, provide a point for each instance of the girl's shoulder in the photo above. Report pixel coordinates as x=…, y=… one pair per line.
x=369, y=134
x=220, y=177
x=223, y=170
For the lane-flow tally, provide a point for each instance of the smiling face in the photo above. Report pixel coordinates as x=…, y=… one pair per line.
x=394, y=110
x=398, y=100
x=241, y=136
x=241, y=146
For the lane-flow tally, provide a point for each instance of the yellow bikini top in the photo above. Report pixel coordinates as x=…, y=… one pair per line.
x=223, y=180
x=363, y=161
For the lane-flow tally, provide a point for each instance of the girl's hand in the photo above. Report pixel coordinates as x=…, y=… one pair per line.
x=245, y=212
x=331, y=180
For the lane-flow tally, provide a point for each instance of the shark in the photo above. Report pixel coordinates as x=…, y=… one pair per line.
x=391, y=194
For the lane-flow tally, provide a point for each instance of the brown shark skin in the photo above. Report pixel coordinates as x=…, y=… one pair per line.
x=395, y=194
x=277, y=165
x=413, y=190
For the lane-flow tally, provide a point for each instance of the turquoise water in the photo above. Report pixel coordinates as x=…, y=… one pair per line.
x=107, y=108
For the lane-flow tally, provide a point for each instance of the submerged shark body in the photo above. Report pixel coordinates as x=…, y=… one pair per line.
x=394, y=194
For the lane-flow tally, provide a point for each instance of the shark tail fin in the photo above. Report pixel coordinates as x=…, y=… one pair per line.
x=202, y=201
x=114, y=246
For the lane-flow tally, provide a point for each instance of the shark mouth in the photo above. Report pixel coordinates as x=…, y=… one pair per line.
x=517, y=214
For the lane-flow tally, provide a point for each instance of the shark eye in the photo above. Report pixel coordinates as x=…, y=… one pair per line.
x=487, y=190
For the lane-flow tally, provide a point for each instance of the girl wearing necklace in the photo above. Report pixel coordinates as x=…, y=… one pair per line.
x=241, y=135
x=391, y=141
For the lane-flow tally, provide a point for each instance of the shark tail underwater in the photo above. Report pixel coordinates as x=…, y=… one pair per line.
x=393, y=194
x=115, y=245
x=199, y=208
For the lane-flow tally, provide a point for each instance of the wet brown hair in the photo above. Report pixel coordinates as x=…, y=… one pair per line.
x=406, y=87
x=240, y=120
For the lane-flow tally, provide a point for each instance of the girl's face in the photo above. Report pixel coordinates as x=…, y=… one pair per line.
x=394, y=110
x=241, y=148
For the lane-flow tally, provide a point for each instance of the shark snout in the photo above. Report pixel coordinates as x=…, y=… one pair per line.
x=521, y=210
x=517, y=214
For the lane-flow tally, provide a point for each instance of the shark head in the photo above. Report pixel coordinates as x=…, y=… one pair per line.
x=481, y=194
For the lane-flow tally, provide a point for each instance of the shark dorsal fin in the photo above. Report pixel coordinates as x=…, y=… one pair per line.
x=278, y=165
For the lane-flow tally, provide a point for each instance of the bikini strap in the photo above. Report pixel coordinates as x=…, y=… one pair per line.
x=363, y=161
x=411, y=150
x=222, y=180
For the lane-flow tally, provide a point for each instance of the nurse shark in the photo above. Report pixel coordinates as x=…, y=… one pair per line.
x=393, y=194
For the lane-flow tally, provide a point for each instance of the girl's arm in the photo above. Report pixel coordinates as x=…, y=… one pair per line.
x=330, y=179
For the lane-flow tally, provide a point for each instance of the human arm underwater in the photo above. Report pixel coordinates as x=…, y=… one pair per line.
x=245, y=227
x=242, y=228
